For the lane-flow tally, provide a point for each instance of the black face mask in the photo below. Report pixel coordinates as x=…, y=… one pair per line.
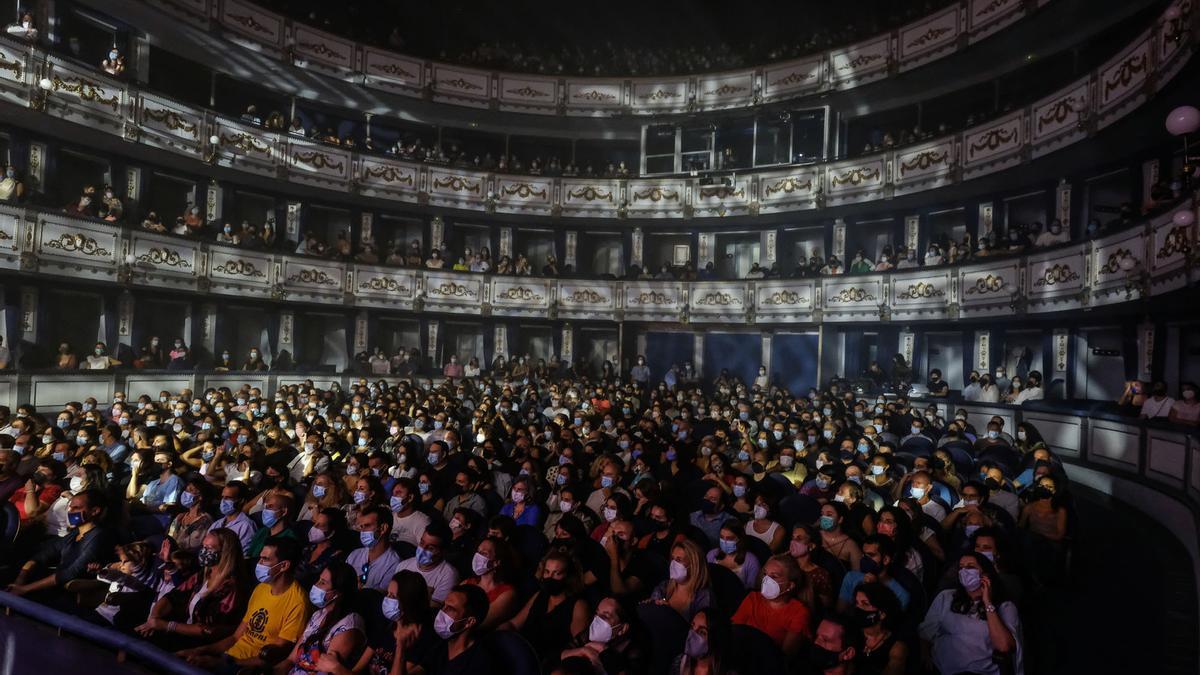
x=822, y=659
x=864, y=618
x=553, y=586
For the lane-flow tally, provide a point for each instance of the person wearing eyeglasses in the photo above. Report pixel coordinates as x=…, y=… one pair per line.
x=375, y=562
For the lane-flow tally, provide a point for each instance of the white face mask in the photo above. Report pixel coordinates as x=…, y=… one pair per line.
x=770, y=588
x=599, y=631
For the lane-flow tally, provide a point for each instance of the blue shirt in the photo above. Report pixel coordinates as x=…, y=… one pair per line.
x=160, y=492
x=711, y=527
x=116, y=452
x=853, y=579
x=532, y=515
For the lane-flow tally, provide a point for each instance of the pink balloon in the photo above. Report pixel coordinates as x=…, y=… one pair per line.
x=1183, y=218
x=1172, y=13
x=1183, y=120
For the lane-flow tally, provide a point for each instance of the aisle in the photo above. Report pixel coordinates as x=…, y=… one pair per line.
x=1132, y=605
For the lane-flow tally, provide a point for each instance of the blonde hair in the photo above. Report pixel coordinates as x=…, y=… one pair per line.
x=697, y=566
x=229, y=560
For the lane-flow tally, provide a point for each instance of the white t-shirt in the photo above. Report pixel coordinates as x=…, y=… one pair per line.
x=440, y=579
x=410, y=527
x=1153, y=408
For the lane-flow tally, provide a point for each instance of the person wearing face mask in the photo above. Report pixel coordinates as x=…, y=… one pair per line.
x=608, y=484
x=968, y=626
x=937, y=386
x=278, y=514
x=161, y=494
x=189, y=527
x=878, y=615
x=876, y=566
x=375, y=561
x=335, y=635
x=409, y=620
x=1186, y=410
x=40, y=491
x=233, y=499
x=522, y=506
x=99, y=359
x=557, y=611
x=430, y=561
x=86, y=542
x=607, y=644
x=274, y=618
x=711, y=515
x=687, y=588
x=254, y=361
x=774, y=608
x=732, y=554
x=705, y=647
x=327, y=539
x=310, y=461
x=1158, y=405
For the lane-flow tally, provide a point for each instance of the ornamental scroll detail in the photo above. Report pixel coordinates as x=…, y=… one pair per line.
x=594, y=95
x=657, y=194
x=317, y=160
x=249, y=22
x=1176, y=241
x=1129, y=68
x=852, y=294
x=527, y=92
x=389, y=174
x=794, y=77
x=590, y=194
x=13, y=66
x=322, y=49
x=1113, y=264
x=171, y=119
x=164, y=257
x=456, y=183
x=384, y=284
x=985, y=285
x=312, y=276
x=87, y=91
x=788, y=185
x=1057, y=274
x=920, y=291
x=786, y=298
x=855, y=177
x=242, y=268
x=927, y=36
x=78, y=243
x=460, y=83
x=993, y=139
x=725, y=90
x=860, y=61
x=393, y=69
x=585, y=297
x=453, y=290
x=659, y=95
x=245, y=143
x=523, y=191
x=651, y=298
x=720, y=299
x=1058, y=113
x=924, y=161
x=520, y=294
x=721, y=192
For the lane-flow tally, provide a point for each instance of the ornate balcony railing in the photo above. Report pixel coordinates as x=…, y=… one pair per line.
x=942, y=33
x=1149, y=259
x=1091, y=103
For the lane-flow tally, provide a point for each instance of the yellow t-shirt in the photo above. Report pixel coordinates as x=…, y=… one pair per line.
x=269, y=618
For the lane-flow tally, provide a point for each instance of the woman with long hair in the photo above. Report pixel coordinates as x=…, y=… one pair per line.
x=335, y=635
x=494, y=565
x=557, y=611
x=705, y=646
x=818, y=591
x=973, y=627
x=405, y=606
x=687, y=589
x=732, y=554
x=325, y=493
x=877, y=612
x=189, y=526
x=326, y=541
x=210, y=612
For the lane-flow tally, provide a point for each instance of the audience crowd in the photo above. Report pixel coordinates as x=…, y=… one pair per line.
x=491, y=523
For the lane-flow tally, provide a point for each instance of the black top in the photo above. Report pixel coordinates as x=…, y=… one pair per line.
x=474, y=661
x=71, y=557
x=549, y=632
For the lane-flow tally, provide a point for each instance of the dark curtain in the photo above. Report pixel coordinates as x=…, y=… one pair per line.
x=853, y=354
x=739, y=353
x=665, y=349
x=794, y=361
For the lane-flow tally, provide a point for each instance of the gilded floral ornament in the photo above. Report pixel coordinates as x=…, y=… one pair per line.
x=312, y=276
x=317, y=160
x=920, y=291
x=594, y=95
x=1129, y=68
x=785, y=297
x=651, y=298
x=1056, y=274
x=389, y=174
x=385, y=285
x=249, y=22
x=78, y=243
x=924, y=161
x=789, y=185
x=719, y=298
x=322, y=49
x=86, y=90
x=987, y=284
x=590, y=194
x=522, y=191
x=170, y=119
x=393, y=69
x=164, y=257
x=852, y=294
x=657, y=194
x=585, y=297
x=456, y=184
x=993, y=139
x=460, y=83
x=520, y=294
x=527, y=92
x=855, y=177
x=242, y=268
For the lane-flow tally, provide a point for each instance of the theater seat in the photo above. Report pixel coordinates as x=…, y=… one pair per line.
x=1007, y=458
x=727, y=587
x=10, y=525
x=665, y=633
x=512, y=654
x=918, y=446
x=755, y=652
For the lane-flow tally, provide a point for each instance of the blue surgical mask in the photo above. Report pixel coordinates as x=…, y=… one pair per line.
x=423, y=488
x=396, y=503
x=63, y=424
x=318, y=491
x=227, y=507
x=391, y=608
x=262, y=572
x=75, y=518
x=187, y=499
x=728, y=546
x=318, y=597
x=827, y=523
x=424, y=557
x=605, y=481
x=739, y=491
x=367, y=537
x=270, y=517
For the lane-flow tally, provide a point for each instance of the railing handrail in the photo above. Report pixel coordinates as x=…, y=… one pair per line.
x=1056, y=121
x=161, y=660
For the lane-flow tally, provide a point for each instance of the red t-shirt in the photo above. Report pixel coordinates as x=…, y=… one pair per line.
x=46, y=495
x=756, y=612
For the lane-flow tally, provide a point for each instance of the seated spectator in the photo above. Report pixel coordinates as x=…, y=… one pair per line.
x=1186, y=409
x=550, y=269
x=860, y=264
x=1052, y=236
x=969, y=626
x=774, y=609
x=193, y=221
x=832, y=266
x=335, y=635
x=114, y=62
x=1032, y=390
x=85, y=206
x=86, y=542
x=274, y=619
x=99, y=359
x=521, y=267
x=706, y=646
x=557, y=611
x=431, y=564
x=228, y=236
x=110, y=207
x=375, y=562
x=453, y=369
x=434, y=261
x=251, y=116
x=254, y=362
x=24, y=29
x=11, y=187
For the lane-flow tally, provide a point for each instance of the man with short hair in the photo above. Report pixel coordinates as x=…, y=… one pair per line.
x=233, y=498
x=408, y=523
x=835, y=646
x=440, y=576
x=87, y=542
x=273, y=621
x=277, y=517
x=876, y=565
x=375, y=561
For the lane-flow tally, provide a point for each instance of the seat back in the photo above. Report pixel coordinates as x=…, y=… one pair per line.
x=917, y=446
x=10, y=525
x=755, y=652
x=512, y=654
x=1007, y=458
x=727, y=587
